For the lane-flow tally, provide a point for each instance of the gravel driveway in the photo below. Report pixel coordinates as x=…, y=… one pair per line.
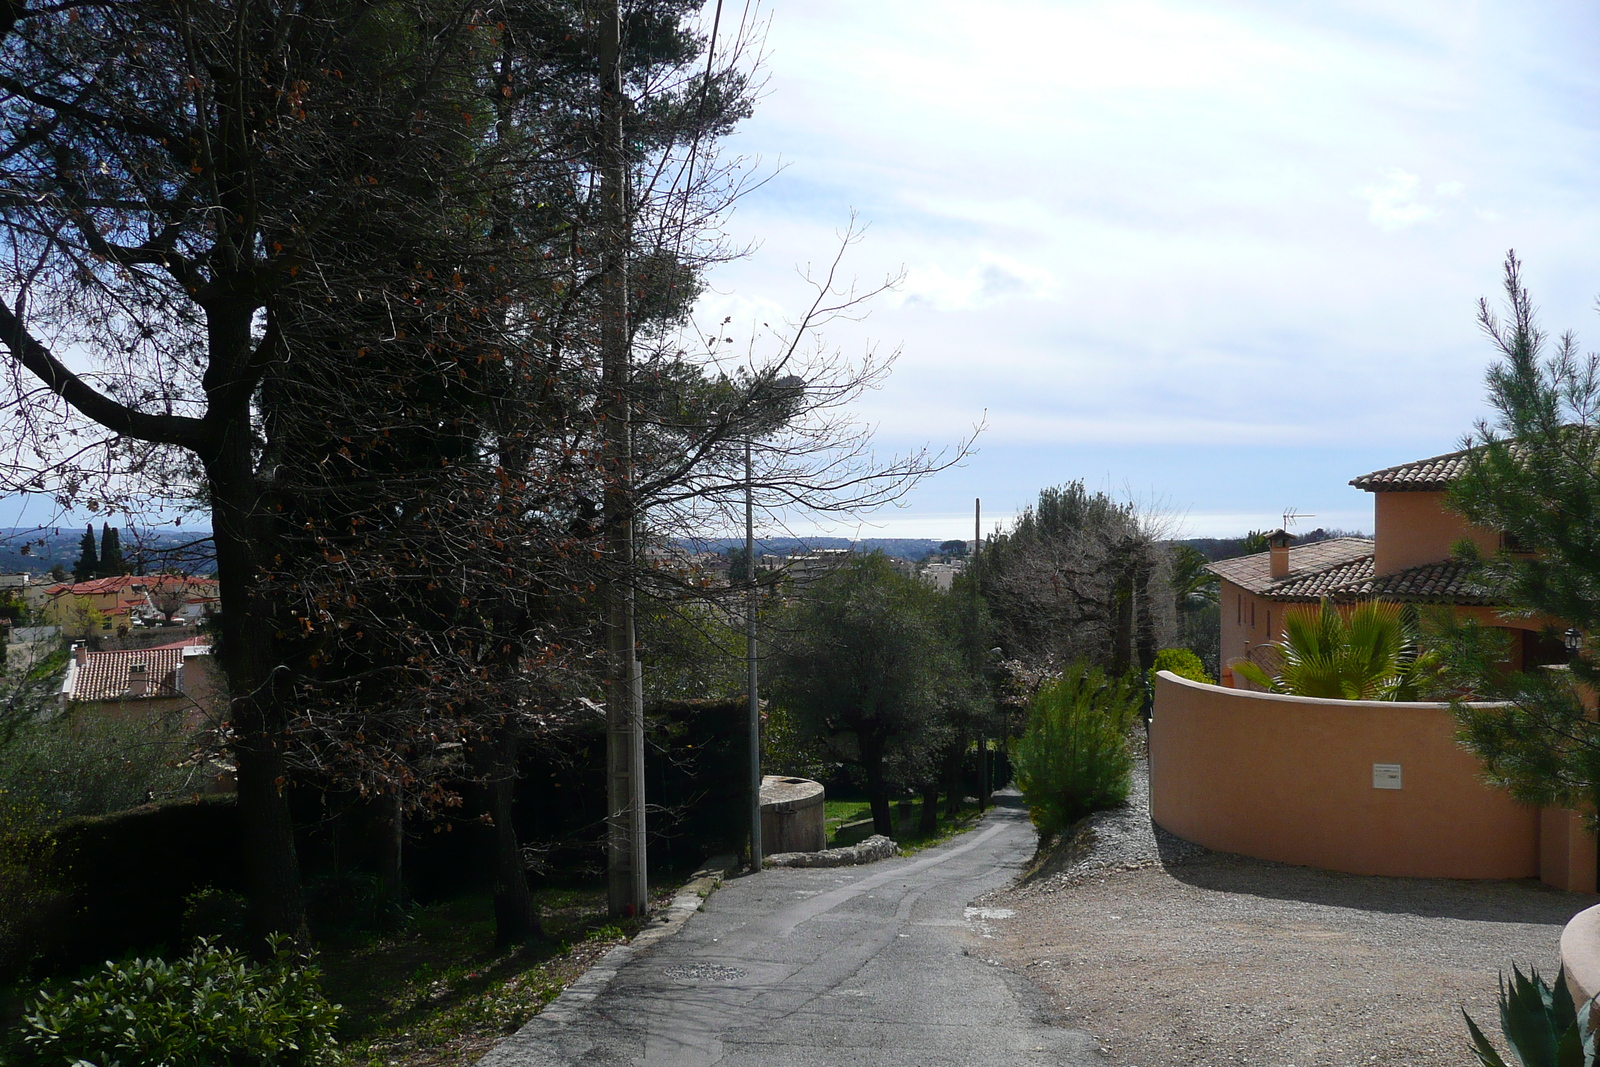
x=1174, y=956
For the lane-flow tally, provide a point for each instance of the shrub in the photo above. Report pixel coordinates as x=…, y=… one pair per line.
x=1073, y=757
x=1183, y=663
x=87, y=762
x=1368, y=653
x=1540, y=1024
x=207, y=1009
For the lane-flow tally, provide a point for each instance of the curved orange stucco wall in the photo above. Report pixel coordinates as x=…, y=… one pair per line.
x=1291, y=779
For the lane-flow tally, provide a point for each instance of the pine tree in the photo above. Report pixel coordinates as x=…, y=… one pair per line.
x=1535, y=475
x=88, y=565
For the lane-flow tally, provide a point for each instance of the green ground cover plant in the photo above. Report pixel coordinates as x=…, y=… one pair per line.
x=207, y=1008
x=435, y=991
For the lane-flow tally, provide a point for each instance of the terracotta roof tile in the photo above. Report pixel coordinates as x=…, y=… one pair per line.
x=1318, y=584
x=1419, y=476
x=104, y=675
x=1254, y=573
x=1446, y=582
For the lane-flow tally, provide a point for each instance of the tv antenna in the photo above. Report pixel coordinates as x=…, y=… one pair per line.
x=1294, y=515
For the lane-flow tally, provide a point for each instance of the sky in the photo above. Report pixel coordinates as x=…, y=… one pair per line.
x=1218, y=258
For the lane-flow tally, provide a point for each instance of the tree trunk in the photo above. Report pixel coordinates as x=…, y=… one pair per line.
x=391, y=847
x=238, y=520
x=954, y=788
x=1145, y=628
x=928, y=822
x=1122, y=638
x=878, y=794
x=516, y=920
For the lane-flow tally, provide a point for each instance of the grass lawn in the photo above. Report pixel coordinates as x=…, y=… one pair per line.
x=837, y=814
x=435, y=992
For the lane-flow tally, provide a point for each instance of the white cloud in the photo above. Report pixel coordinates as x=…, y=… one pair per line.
x=988, y=279
x=1394, y=205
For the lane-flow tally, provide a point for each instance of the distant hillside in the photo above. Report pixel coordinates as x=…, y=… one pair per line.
x=904, y=547
x=1215, y=548
x=28, y=548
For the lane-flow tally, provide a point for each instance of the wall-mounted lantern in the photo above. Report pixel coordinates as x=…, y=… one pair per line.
x=1573, y=639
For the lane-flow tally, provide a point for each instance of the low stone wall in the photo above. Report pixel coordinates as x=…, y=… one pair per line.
x=1366, y=787
x=876, y=847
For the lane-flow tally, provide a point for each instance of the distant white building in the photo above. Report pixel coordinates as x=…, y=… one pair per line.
x=942, y=575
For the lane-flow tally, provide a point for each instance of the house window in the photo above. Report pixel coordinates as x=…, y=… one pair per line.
x=1510, y=542
x=1238, y=610
x=1252, y=614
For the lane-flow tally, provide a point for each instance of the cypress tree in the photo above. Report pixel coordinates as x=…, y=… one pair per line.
x=88, y=565
x=111, y=564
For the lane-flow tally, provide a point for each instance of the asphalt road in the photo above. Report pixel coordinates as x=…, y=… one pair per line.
x=877, y=965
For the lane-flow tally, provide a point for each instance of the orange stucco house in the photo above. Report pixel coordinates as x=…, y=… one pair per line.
x=1407, y=560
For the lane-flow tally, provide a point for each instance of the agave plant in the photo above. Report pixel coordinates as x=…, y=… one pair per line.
x=1369, y=654
x=1540, y=1024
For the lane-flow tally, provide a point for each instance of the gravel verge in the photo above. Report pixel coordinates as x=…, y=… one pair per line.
x=1175, y=956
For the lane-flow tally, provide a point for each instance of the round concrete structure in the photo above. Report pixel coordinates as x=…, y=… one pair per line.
x=1580, y=954
x=792, y=815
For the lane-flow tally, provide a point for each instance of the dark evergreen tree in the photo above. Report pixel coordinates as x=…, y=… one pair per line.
x=88, y=565
x=111, y=565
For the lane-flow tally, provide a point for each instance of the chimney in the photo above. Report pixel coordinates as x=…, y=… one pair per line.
x=1278, y=545
x=138, y=680
x=80, y=654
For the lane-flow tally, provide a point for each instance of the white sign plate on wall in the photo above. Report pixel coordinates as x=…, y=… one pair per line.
x=1386, y=776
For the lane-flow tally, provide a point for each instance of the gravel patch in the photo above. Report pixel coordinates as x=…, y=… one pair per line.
x=1175, y=956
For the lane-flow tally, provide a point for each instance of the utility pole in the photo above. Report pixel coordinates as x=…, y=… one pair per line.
x=983, y=742
x=627, y=890
x=750, y=661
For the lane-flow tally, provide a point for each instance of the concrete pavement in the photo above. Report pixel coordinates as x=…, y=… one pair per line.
x=882, y=965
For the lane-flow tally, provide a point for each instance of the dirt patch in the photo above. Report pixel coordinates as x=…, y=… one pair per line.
x=1174, y=956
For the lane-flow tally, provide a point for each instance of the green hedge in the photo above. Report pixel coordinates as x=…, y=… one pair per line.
x=119, y=882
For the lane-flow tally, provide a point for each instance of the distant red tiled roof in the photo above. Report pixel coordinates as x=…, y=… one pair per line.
x=104, y=675
x=189, y=642
x=1419, y=476
x=151, y=582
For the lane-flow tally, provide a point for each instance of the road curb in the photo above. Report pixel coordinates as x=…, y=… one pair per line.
x=663, y=925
